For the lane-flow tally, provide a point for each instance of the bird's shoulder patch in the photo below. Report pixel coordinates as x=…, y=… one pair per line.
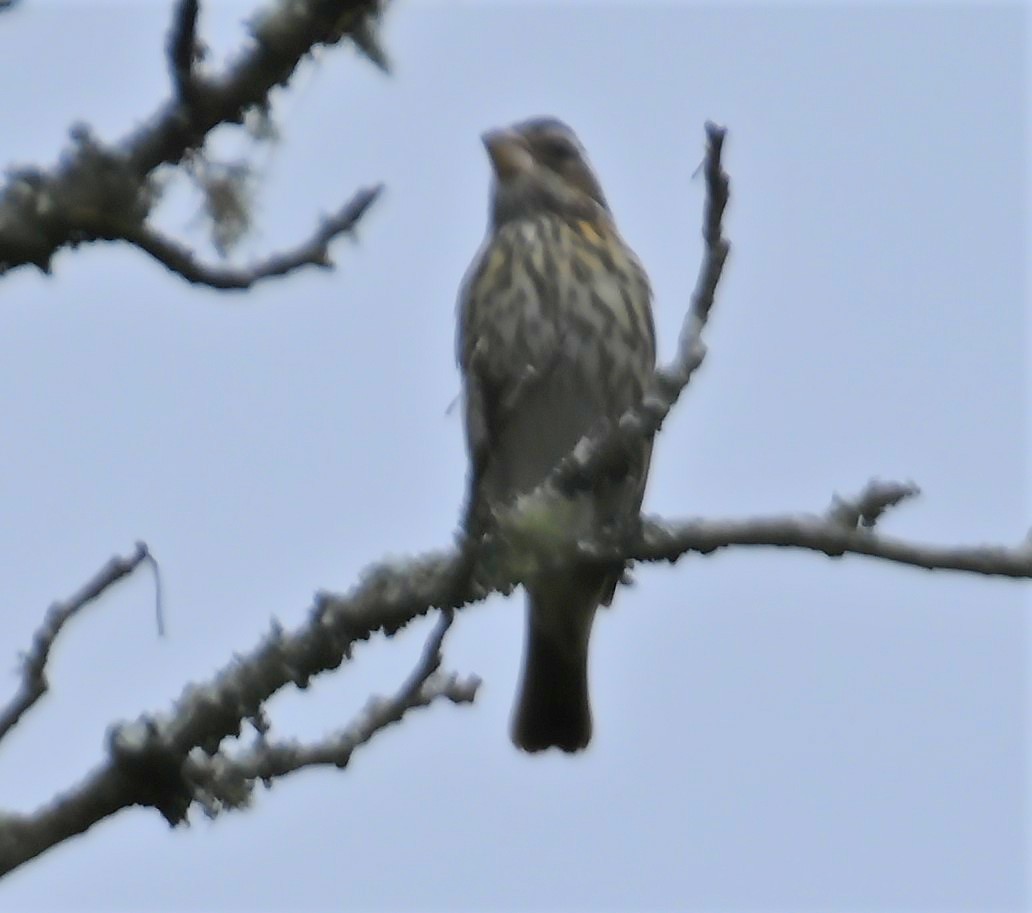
x=589, y=229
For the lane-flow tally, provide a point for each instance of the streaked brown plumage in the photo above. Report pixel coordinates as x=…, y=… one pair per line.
x=555, y=337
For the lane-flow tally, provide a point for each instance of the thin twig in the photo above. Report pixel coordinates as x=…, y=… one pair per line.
x=33, y=674
x=182, y=49
x=181, y=260
x=159, y=596
x=597, y=456
x=867, y=508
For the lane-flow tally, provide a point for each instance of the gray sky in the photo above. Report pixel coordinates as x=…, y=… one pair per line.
x=773, y=730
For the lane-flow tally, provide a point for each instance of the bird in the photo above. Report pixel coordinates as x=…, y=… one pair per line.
x=555, y=338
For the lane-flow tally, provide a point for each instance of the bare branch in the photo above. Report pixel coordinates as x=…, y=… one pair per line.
x=223, y=781
x=149, y=759
x=34, y=679
x=183, y=49
x=44, y=211
x=606, y=452
x=182, y=261
x=24, y=837
x=146, y=759
x=159, y=594
x=827, y=534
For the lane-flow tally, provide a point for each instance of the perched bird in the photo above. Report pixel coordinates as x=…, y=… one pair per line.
x=555, y=337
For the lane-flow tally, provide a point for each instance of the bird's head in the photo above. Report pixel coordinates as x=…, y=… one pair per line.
x=540, y=165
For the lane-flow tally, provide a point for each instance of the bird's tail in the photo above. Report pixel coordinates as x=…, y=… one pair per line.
x=553, y=707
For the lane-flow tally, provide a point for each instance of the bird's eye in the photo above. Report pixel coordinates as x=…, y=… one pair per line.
x=557, y=150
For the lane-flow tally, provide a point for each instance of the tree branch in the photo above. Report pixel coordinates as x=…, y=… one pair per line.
x=182, y=261
x=224, y=781
x=152, y=762
x=830, y=533
x=146, y=762
x=606, y=452
x=42, y=212
x=34, y=679
x=183, y=49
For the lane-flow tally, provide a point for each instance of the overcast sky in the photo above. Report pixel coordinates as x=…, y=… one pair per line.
x=774, y=730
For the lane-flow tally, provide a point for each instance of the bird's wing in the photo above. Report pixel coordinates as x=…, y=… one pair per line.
x=508, y=335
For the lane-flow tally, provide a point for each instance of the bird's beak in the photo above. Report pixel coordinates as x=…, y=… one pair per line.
x=509, y=154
